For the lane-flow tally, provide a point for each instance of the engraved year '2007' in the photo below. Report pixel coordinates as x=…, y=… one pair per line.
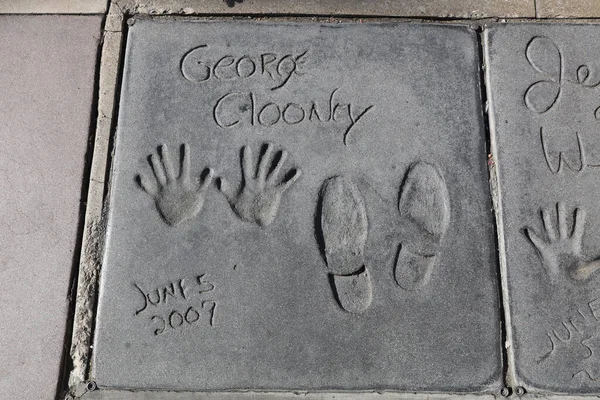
x=178, y=304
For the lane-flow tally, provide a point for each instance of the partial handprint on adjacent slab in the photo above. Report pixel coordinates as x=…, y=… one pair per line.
x=342, y=233
x=424, y=205
x=560, y=250
x=177, y=197
x=257, y=199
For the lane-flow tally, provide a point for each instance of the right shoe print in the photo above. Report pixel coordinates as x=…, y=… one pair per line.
x=424, y=207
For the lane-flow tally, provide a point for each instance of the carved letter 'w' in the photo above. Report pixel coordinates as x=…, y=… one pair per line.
x=561, y=157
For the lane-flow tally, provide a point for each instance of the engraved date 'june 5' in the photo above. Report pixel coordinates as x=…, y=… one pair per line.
x=189, y=306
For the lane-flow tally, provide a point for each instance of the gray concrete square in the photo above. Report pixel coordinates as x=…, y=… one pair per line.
x=299, y=207
x=544, y=84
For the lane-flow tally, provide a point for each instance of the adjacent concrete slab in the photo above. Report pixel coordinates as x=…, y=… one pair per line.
x=568, y=8
x=397, y=8
x=546, y=114
x=340, y=236
x=53, y=7
x=45, y=108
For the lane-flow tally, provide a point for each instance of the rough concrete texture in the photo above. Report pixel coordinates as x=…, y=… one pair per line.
x=47, y=66
x=93, y=232
x=568, y=8
x=141, y=395
x=544, y=82
x=53, y=7
x=223, y=280
x=402, y=8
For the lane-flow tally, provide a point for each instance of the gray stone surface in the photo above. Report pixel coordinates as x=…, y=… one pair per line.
x=546, y=115
x=231, y=267
x=53, y=7
x=399, y=8
x=567, y=9
x=46, y=92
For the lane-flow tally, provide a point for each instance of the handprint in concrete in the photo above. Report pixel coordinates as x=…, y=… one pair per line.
x=560, y=247
x=258, y=197
x=177, y=197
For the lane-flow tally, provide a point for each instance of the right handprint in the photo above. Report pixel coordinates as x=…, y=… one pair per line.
x=258, y=197
x=560, y=250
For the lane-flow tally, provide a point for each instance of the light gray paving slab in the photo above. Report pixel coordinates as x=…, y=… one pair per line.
x=397, y=8
x=47, y=66
x=355, y=252
x=567, y=9
x=53, y=7
x=544, y=85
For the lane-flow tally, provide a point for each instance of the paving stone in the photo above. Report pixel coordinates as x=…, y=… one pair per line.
x=45, y=111
x=53, y=7
x=342, y=237
x=402, y=8
x=544, y=83
x=568, y=8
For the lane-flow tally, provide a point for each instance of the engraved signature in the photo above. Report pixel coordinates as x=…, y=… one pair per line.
x=197, y=66
x=576, y=166
x=544, y=55
x=238, y=108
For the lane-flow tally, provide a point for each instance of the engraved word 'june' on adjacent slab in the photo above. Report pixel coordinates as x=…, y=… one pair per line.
x=299, y=207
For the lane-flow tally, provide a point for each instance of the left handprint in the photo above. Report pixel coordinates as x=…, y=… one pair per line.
x=177, y=197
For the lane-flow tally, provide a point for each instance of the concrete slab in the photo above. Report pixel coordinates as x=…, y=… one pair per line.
x=545, y=116
x=47, y=66
x=53, y=7
x=341, y=234
x=397, y=8
x=568, y=9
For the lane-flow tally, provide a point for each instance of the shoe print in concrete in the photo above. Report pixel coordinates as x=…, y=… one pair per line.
x=343, y=232
x=425, y=209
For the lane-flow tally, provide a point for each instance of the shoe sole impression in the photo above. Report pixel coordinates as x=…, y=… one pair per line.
x=344, y=229
x=424, y=202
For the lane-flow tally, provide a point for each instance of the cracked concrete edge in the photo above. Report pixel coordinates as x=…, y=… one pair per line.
x=472, y=9
x=407, y=8
x=169, y=395
x=91, y=255
x=53, y=7
x=251, y=395
x=510, y=373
